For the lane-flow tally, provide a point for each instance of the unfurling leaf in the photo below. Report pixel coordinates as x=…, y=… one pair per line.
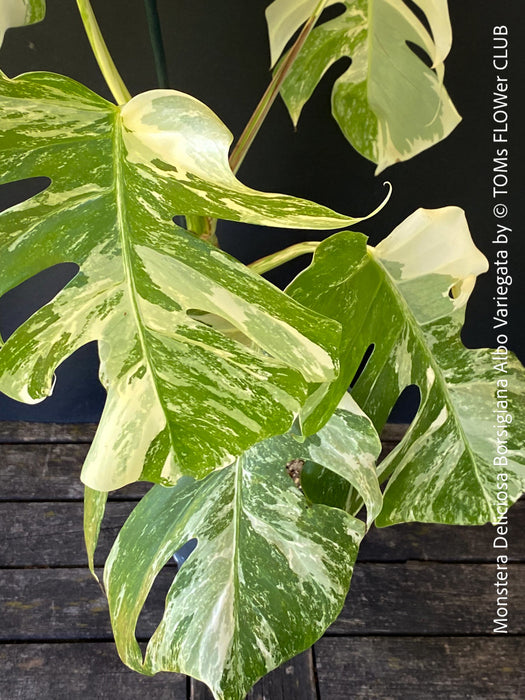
x=407, y=298
x=183, y=398
x=18, y=13
x=269, y=573
x=389, y=104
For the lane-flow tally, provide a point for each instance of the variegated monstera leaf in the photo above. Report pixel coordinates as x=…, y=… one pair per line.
x=389, y=104
x=406, y=298
x=182, y=396
x=269, y=572
x=18, y=13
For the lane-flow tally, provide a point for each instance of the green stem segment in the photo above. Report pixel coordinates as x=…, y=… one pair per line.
x=275, y=259
x=102, y=55
x=157, y=44
x=262, y=109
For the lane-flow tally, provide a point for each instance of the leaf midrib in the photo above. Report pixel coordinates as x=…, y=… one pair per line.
x=122, y=225
x=418, y=332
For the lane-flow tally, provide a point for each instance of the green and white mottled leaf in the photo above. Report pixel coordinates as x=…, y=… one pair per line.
x=18, y=13
x=183, y=398
x=348, y=447
x=269, y=573
x=396, y=298
x=339, y=462
x=94, y=509
x=389, y=104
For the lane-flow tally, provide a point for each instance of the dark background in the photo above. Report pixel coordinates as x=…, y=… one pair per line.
x=218, y=52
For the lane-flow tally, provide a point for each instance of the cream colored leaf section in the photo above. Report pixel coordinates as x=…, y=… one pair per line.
x=390, y=103
x=433, y=241
x=183, y=397
x=284, y=17
x=172, y=132
x=268, y=574
x=18, y=13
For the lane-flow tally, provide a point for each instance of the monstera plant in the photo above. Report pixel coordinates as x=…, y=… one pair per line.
x=216, y=380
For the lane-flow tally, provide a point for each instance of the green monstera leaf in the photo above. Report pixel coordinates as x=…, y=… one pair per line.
x=183, y=397
x=406, y=298
x=389, y=104
x=18, y=13
x=269, y=572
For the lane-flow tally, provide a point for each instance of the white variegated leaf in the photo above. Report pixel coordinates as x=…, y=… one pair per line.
x=183, y=397
x=269, y=572
x=407, y=299
x=389, y=104
x=94, y=509
x=18, y=13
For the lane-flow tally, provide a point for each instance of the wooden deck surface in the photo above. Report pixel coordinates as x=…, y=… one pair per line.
x=417, y=625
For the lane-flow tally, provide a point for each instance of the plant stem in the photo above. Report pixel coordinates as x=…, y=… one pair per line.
x=101, y=53
x=157, y=44
x=200, y=226
x=275, y=259
x=262, y=109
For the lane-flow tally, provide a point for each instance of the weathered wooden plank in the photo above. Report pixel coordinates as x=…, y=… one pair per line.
x=48, y=472
x=51, y=534
x=421, y=668
x=43, y=461
x=66, y=604
x=453, y=543
x=294, y=680
x=79, y=671
x=429, y=598
x=25, y=432
x=393, y=599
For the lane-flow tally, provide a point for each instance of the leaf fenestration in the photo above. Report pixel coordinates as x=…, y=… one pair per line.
x=396, y=298
x=268, y=575
x=389, y=104
x=182, y=396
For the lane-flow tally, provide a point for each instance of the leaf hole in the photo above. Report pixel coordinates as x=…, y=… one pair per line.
x=184, y=552
x=332, y=12
x=364, y=361
x=18, y=304
x=220, y=324
x=455, y=291
x=155, y=603
x=419, y=13
x=421, y=54
x=407, y=405
x=13, y=193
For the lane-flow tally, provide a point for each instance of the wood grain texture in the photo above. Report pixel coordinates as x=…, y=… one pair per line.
x=420, y=595
x=446, y=543
x=49, y=472
x=393, y=599
x=51, y=534
x=428, y=598
x=294, y=680
x=25, y=432
x=93, y=672
x=400, y=668
x=67, y=604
